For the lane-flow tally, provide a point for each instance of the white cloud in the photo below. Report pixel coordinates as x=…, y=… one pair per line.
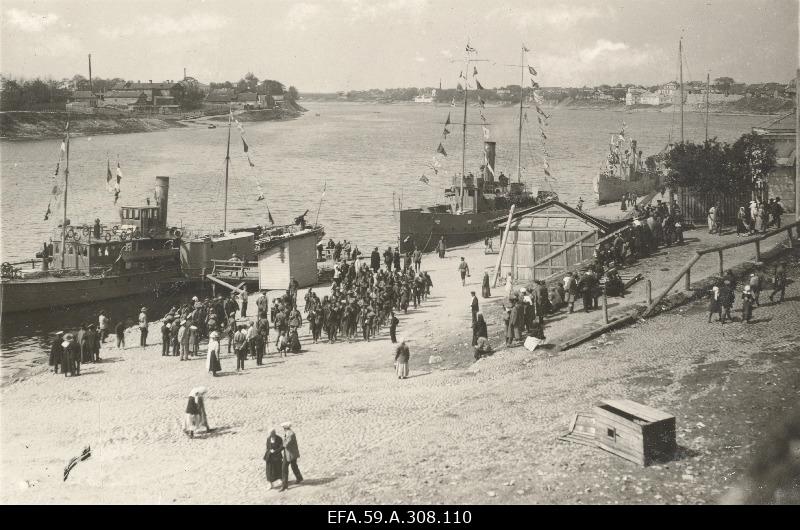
x=419, y=58
x=568, y=16
x=300, y=14
x=164, y=25
x=602, y=46
x=561, y=16
x=27, y=21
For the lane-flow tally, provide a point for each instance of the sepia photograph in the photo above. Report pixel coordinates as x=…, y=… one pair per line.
x=292, y=197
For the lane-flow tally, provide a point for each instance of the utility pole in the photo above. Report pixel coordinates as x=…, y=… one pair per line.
x=680, y=60
x=91, y=87
x=708, y=89
x=797, y=147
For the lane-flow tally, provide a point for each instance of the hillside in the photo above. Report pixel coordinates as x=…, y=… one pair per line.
x=35, y=125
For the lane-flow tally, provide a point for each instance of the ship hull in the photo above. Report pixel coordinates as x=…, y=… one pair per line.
x=423, y=229
x=17, y=296
x=610, y=189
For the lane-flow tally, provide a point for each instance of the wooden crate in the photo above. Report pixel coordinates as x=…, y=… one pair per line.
x=634, y=431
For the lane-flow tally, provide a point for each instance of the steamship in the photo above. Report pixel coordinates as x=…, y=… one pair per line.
x=475, y=205
x=90, y=263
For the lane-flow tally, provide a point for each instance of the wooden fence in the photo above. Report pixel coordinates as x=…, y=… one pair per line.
x=686, y=271
x=695, y=205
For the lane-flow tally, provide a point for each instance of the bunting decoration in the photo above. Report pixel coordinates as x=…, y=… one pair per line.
x=485, y=133
x=441, y=150
x=469, y=48
x=461, y=74
x=269, y=216
x=245, y=146
x=453, y=103
x=478, y=84
x=119, y=173
x=109, y=176
x=47, y=213
x=483, y=118
x=474, y=71
x=447, y=121
x=424, y=179
x=482, y=102
x=445, y=132
x=531, y=70
x=525, y=48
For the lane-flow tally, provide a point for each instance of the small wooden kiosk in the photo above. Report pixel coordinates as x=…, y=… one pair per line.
x=295, y=258
x=547, y=239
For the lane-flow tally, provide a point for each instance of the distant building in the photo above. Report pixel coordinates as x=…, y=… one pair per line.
x=221, y=96
x=124, y=98
x=145, y=97
x=782, y=181
x=84, y=98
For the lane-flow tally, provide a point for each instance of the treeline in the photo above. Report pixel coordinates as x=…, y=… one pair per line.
x=714, y=166
x=41, y=94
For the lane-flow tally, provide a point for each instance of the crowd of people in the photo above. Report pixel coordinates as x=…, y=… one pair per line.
x=723, y=293
x=758, y=217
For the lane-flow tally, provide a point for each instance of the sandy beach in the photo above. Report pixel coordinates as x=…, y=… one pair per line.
x=455, y=431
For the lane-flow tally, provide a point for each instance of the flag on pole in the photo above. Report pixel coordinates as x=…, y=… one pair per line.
x=483, y=118
x=63, y=146
x=58, y=166
x=544, y=136
x=531, y=70
x=269, y=216
x=445, y=132
x=109, y=176
x=116, y=196
x=482, y=102
x=461, y=74
x=424, y=179
x=474, y=71
x=453, y=103
x=525, y=48
x=119, y=173
x=534, y=84
x=441, y=150
x=478, y=84
x=447, y=121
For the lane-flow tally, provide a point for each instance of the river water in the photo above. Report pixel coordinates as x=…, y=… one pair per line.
x=363, y=154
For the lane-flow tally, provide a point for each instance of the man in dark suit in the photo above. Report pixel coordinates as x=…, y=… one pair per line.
x=474, y=308
x=375, y=260
x=290, y=455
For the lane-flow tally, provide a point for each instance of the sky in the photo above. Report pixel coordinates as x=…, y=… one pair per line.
x=332, y=45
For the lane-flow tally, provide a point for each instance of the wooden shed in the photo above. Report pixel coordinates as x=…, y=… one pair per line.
x=634, y=431
x=549, y=238
x=293, y=258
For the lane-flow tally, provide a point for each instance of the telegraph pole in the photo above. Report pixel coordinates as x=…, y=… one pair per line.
x=797, y=147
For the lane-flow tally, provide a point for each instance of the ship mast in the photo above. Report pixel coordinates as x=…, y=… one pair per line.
x=680, y=61
x=227, y=163
x=66, y=187
x=708, y=89
x=521, y=96
x=464, y=130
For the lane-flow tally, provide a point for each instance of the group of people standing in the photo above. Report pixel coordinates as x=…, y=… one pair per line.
x=758, y=217
x=723, y=293
x=69, y=350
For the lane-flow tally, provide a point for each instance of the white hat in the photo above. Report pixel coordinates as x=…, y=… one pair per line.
x=214, y=335
x=195, y=298
x=286, y=425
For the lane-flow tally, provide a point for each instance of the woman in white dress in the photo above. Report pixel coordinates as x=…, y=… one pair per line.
x=212, y=357
x=509, y=286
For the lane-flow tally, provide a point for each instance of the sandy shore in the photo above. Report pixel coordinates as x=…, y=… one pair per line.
x=456, y=431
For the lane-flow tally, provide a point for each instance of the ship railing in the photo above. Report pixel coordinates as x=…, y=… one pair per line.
x=232, y=269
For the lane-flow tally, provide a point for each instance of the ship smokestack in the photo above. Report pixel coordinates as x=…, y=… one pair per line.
x=489, y=149
x=162, y=197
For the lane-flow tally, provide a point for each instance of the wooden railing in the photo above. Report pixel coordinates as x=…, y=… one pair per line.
x=235, y=269
x=686, y=271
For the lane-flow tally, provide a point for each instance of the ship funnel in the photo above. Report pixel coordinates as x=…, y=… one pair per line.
x=488, y=177
x=162, y=196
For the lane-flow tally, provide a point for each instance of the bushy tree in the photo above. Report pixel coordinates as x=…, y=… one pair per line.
x=293, y=95
x=751, y=158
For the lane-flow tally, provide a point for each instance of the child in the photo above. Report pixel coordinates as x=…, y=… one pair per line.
x=191, y=419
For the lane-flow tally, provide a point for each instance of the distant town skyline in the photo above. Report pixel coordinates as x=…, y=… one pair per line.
x=340, y=45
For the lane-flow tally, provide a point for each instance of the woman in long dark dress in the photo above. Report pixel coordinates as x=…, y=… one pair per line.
x=485, y=291
x=57, y=352
x=274, y=457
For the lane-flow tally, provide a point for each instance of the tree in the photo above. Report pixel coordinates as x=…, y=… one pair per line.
x=752, y=158
x=249, y=83
x=293, y=94
x=191, y=98
x=724, y=84
x=273, y=88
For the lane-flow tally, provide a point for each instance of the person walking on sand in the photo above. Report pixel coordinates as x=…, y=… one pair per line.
x=726, y=296
x=393, y=327
x=417, y=259
x=143, y=327
x=715, y=304
x=463, y=268
x=72, y=355
x=243, y=305
x=478, y=330
x=755, y=285
x=486, y=291
x=103, y=324
x=120, y=332
x=212, y=356
x=57, y=352
x=166, y=326
x=779, y=283
x=291, y=453
x=401, y=357
x=240, y=346
x=199, y=398
x=274, y=457
x=192, y=417
x=441, y=247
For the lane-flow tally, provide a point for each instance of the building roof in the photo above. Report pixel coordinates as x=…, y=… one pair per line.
x=147, y=86
x=222, y=95
x=603, y=226
x=83, y=94
x=132, y=94
x=247, y=96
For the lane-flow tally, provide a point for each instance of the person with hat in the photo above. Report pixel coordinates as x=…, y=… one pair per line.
x=166, y=325
x=72, y=356
x=262, y=303
x=143, y=327
x=183, y=339
x=213, y=352
x=240, y=346
x=779, y=284
x=119, y=330
x=192, y=418
x=726, y=296
x=401, y=357
x=570, y=291
x=715, y=304
x=243, y=297
x=57, y=352
x=463, y=269
x=474, y=309
x=174, y=336
x=274, y=457
x=756, y=280
x=291, y=453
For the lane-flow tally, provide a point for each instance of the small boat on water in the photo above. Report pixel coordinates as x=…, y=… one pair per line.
x=93, y=262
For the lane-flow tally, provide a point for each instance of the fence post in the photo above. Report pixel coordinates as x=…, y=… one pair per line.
x=688, y=279
x=721, y=268
x=758, y=250
x=648, y=289
x=605, y=307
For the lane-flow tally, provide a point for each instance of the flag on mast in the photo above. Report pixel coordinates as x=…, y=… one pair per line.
x=474, y=71
x=531, y=70
x=109, y=176
x=424, y=179
x=447, y=121
x=441, y=150
x=478, y=84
